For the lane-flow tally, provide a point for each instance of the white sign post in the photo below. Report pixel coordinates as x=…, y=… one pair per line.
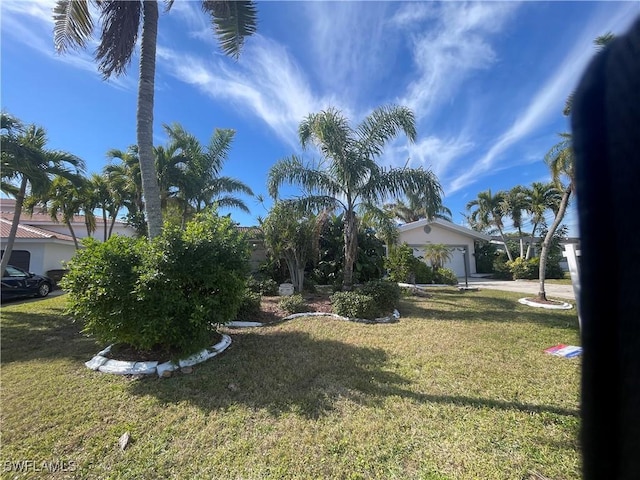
x=571, y=254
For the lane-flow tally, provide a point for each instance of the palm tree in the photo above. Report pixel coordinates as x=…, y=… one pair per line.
x=418, y=206
x=514, y=202
x=125, y=180
x=63, y=199
x=348, y=176
x=561, y=162
x=26, y=160
x=489, y=212
x=199, y=184
x=542, y=197
x=121, y=20
x=438, y=254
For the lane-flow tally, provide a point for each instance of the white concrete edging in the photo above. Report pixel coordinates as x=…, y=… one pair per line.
x=551, y=306
x=122, y=367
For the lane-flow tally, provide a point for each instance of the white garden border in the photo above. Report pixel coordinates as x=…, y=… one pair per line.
x=123, y=367
x=551, y=306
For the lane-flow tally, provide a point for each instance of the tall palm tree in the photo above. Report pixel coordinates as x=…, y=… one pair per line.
x=348, y=176
x=121, y=21
x=542, y=197
x=560, y=160
x=489, y=212
x=514, y=203
x=25, y=159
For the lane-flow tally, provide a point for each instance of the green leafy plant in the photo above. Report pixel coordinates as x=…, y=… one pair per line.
x=167, y=294
x=293, y=304
x=386, y=294
x=354, y=305
x=249, y=305
x=445, y=276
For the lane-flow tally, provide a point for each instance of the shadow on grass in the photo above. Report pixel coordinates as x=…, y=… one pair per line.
x=283, y=372
x=454, y=307
x=30, y=336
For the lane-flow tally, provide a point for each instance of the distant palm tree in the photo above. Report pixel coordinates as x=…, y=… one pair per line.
x=349, y=176
x=198, y=182
x=489, y=212
x=121, y=21
x=438, y=254
x=25, y=159
x=418, y=206
x=542, y=197
x=514, y=203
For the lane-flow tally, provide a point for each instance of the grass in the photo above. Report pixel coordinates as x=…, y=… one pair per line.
x=459, y=389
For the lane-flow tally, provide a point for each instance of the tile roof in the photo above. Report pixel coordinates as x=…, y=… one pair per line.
x=28, y=231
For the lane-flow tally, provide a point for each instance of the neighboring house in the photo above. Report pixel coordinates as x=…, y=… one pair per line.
x=42, y=244
x=459, y=239
x=256, y=242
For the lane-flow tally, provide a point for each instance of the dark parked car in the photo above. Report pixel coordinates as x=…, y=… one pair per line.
x=18, y=283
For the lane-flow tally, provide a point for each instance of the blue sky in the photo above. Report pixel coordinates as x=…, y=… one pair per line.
x=487, y=82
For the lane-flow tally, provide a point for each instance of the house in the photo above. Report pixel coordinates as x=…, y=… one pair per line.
x=460, y=240
x=42, y=244
x=256, y=242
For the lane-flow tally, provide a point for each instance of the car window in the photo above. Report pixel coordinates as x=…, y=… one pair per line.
x=14, y=272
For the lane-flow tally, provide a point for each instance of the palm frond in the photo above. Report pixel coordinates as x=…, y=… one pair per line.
x=72, y=24
x=120, y=26
x=383, y=124
x=233, y=21
x=292, y=170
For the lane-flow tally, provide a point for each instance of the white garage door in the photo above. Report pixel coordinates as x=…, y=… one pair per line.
x=457, y=263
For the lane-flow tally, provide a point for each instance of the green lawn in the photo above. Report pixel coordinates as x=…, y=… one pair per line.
x=459, y=389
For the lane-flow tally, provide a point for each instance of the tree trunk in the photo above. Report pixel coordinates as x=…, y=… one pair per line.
x=14, y=226
x=505, y=245
x=73, y=235
x=144, y=118
x=530, y=246
x=104, y=224
x=542, y=294
x=350, y=249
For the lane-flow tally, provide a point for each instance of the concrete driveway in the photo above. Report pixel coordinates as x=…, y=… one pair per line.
x=529, y=287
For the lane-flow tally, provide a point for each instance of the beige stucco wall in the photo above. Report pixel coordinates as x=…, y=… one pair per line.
x=417, y=238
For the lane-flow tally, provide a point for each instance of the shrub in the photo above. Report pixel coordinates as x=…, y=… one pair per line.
x=267, y=287
x=166, y=293
x=445, y=276
x=500, y=267
x=386, y=294
x=249, y=305
x=293, y=304
x=423, y=273
x=401, y=264
x=524, y=269
x=354, y=305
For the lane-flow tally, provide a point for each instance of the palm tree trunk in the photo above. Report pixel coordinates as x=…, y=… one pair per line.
x=14, y=226
x=144, y=118
x=530, y=246
x=73, y=234
x=350, y=249
x=542, y=294
x=506, y=247
x=113, y=222
x=104, y=224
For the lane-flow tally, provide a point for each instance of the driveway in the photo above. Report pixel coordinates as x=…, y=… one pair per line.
x=530, y=287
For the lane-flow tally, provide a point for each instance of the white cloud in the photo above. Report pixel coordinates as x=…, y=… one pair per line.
x=549, y=98
x=31, y=24
x=266, y=82
x=450, y=48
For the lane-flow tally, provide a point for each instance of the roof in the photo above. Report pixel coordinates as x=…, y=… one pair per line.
x=38, y=217
x=31, y=232
x=446, y=225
